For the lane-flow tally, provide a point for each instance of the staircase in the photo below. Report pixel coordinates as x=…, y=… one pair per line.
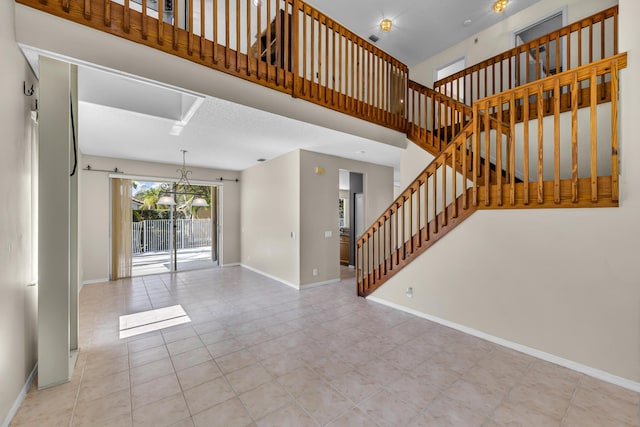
x=497, y=145
x=494, y=164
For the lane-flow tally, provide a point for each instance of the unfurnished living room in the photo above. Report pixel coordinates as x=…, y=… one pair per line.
x=309, y=213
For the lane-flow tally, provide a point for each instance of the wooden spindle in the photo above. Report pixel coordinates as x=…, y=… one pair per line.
x=444, y=190
x=268, y=46
x=418, y=204
x=476, y=154
x=144, y=26
x=126, y=23
x=426, y=206
x=87, y=9
x=107, y=12
x=176, y=10
x=487, y=154
x=411, y=220
x=454, y=175
x=395, y=220
x=248, y=35
x=238, y=28
x=160, y=21
x=614, y=132
x=434, y=190
x=512, y=149
x=313, y=57
x=540, y=144
x=594, y=134
x=556, y=140
x=525, y=146
x=499, y=153
x=574, y=138
x=214, y=33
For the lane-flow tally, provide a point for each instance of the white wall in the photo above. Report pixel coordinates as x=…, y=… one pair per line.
x=286, y=195
x=561, y=281
x=497, y=39
x=270, y=217
x=319, y=210
x=94, y=209
x=18, y=302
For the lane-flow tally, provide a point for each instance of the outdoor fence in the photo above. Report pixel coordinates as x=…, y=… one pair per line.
x=155, y=235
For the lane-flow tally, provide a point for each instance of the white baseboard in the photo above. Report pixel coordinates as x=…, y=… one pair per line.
x=316, y=284
x=277, y=279
x=587, y=370
x=232, y=264
x=23, y=393
x=94, y=281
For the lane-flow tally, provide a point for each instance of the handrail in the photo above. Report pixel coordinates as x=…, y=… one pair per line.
x=528, y=62
x=286, y=45
x=434, y=118
x=483, y=169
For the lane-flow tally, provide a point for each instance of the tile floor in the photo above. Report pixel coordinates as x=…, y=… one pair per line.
x=259, y=353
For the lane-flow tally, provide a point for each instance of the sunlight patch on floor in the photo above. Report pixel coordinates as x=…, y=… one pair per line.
x=152, y=320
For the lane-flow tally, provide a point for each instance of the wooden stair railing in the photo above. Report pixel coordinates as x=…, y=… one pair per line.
x=308, y=55
x=535, y=168
x=579, y=43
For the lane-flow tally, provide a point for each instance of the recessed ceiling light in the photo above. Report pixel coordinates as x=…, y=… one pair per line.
x=385, y=25
x=466, y=22
x=500, y=5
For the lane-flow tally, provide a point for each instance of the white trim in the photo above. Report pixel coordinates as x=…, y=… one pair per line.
x=255, y=270
x=579, y=367
x=212, y=182
x=233, y=264
x=316, y=284
x=94, y=281
x=23, y=393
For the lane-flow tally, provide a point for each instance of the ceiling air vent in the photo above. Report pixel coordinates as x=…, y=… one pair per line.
x=374, y=38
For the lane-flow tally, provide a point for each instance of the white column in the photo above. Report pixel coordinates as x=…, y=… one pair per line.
x=57, y=225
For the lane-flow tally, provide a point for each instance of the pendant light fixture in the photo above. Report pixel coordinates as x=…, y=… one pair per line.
x=168, y=192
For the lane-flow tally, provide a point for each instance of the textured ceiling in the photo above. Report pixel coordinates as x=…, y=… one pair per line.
x=421, y=28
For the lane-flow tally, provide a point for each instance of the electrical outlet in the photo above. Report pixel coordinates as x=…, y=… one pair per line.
x=328, y=234
x=315, y=271
x=409, y=292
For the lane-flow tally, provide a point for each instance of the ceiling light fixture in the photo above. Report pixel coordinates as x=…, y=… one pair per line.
x=385, y=25
x=168, y=192
x=500, y=5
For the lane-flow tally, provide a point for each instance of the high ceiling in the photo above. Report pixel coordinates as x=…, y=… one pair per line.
x=129, y=118
x=421, y=28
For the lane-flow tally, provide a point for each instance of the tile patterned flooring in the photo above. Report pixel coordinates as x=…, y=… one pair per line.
x=259, y=353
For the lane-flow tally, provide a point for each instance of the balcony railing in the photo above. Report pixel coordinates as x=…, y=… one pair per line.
x=154, y=235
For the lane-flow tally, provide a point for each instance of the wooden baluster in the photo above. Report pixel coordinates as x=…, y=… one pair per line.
x=540, y=144
x=426, y=206
x=419, y=230
x=568, y=45
x=603, y=92
x=615, y=32
x=454, y=173
x=352, y=85
x=269, y=41
x=487, y=154
x=411, y=220
x=594, y=135
x=87, y=9
x=590, y=42
x=214, y=33
x=65, y=5
x=511, y=140
x=574, y=138
x=176, y=14
x=501, y=77
x=434, y=190
x=525, y=146
x=160, y=21
x=190, y=29
x=379, y=107
x=475, y=158
x=107, y=12
x=313, y=55
x=248, y=35
x=287, y=42
x=537, y=61
x=395, y=219
x=305, y=48
x=511, y=59
x=238, y=39
x=556, y=141
x=333, y=66
x=126, y=23
x=326, y=60
x=360, y=77
x=499, y=153
x=403, y=229
x=614, y=132
x=144, y=27
x=443, y=170
x=433, y=121
x=370, y=83
x=295, y=42
x=340, y=83
x=368, y=260
x=375, y=252
x=319, y=72
x=385, y=252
